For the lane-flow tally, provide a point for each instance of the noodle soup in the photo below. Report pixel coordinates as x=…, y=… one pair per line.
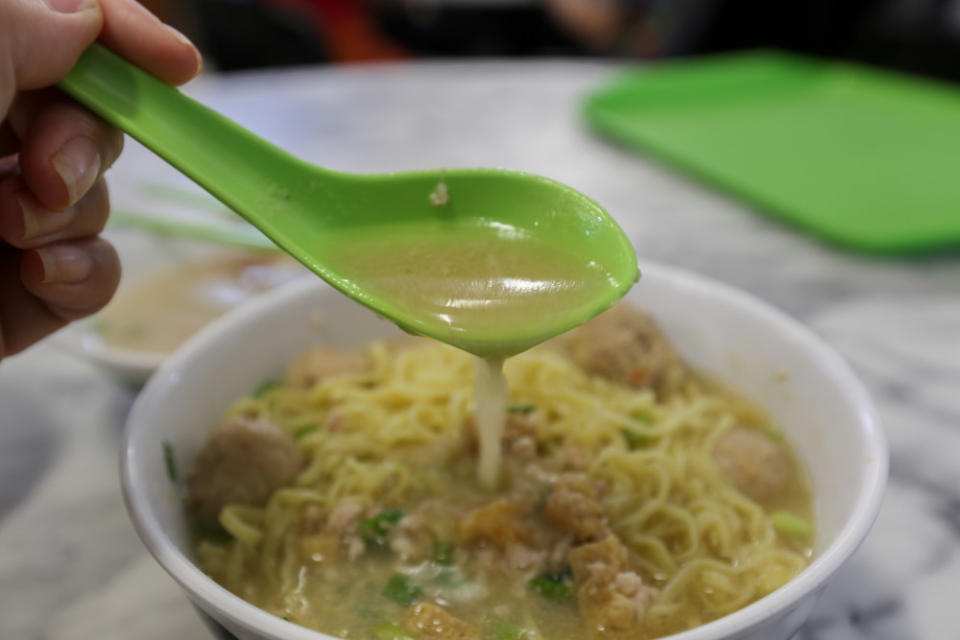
x=636, y=499
x=161, y=312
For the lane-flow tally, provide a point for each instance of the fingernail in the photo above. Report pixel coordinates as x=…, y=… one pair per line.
x=31, y=224
x=186, y=41
x=178, y=35
x=78, y=164
x=71, y=6
x=39, y=222
x=63, y=264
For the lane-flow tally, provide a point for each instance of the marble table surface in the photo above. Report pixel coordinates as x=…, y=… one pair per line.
x=71, y=567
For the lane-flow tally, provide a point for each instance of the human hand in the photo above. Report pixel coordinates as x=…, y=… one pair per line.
x=54, y=267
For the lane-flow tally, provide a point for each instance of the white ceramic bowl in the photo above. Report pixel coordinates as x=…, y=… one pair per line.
x=804, y=385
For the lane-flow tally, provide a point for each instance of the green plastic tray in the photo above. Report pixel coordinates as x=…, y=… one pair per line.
x=861, y=157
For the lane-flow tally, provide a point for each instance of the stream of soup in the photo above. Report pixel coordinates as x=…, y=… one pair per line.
x=465, y=280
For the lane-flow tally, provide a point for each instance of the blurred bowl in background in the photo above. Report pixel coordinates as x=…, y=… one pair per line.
x=171, y=289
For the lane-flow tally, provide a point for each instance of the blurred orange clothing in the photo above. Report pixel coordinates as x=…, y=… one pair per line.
x=348, y=29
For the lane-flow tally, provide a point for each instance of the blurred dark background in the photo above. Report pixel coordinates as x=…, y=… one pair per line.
x=918, y=36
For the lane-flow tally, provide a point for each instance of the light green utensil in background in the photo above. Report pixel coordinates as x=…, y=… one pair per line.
x=304, y=208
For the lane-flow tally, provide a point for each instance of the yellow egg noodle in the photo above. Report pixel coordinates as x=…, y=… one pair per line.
x=710, y=549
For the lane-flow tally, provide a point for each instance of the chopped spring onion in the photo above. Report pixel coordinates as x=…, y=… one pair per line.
x=170, y=462
x=555, y=586
x=401, y=589
x=503, y=630
x=389, y=631
x=521, y=408
x=216, y=534
x=773, y=434
x=645, y=418
x=443, y=553
x=305, y=430
x=133, y=331
x=265, y=387
x=550, y=589
x=635, y=439
x=790, y=524
x=375, y=530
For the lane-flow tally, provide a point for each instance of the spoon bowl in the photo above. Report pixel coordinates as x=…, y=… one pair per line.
x=316, y=214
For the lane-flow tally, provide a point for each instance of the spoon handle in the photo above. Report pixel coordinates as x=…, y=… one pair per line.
x=242, y=170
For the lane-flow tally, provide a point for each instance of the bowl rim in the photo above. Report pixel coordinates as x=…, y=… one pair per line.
x=203, y=589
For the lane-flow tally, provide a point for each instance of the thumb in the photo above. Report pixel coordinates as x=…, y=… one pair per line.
x=44, y=38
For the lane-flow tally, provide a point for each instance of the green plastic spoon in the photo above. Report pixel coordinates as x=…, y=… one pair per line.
x=315, y=213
